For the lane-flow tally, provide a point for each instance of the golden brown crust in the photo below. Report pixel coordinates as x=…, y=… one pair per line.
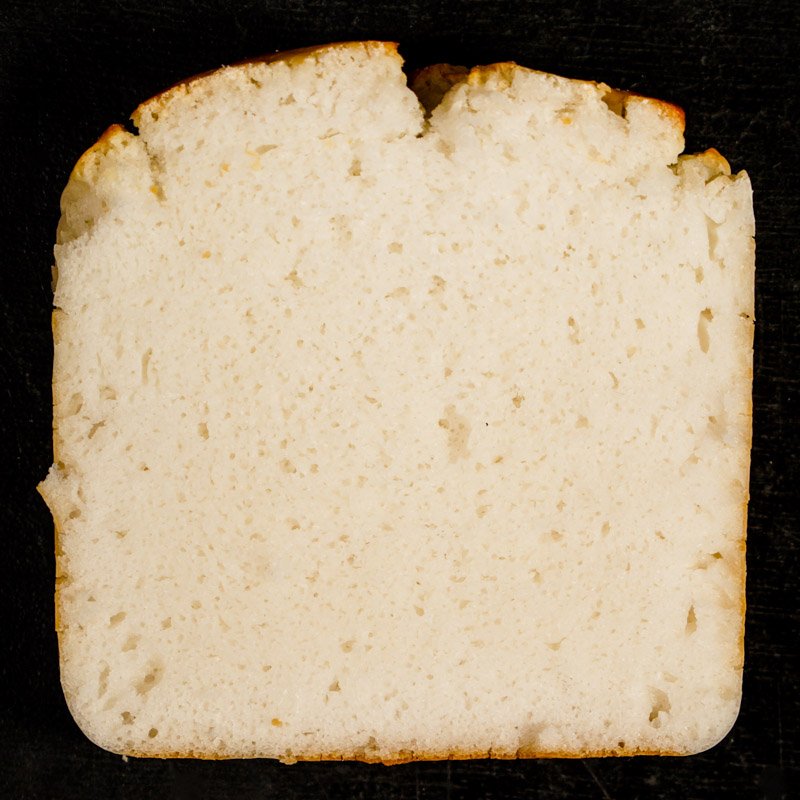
x=99, y=148
x=674, y=113
x=406, y=757
x=713, y=156
x=745, y=504
x=57, y=523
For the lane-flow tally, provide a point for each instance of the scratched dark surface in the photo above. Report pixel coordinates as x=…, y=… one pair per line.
x=71, y=68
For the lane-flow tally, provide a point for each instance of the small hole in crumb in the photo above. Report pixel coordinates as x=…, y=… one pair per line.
x=702, y=329
x=691, y=621
x=152, y=733
x=660, y=705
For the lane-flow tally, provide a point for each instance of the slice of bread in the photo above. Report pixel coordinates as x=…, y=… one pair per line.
x=387, y=431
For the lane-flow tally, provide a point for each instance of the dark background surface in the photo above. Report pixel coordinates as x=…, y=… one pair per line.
x=69, y=69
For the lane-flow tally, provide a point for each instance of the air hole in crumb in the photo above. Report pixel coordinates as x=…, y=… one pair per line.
x=660, y=705
x=355, y=167
x=146, y=356
x=152, y=733
x=130, y=643
x=103, y=682
x=574, y=333
x=458, y=431
x=395, y=247
x=202, y=429
x=166, y=623
x=713, y=237
x=615, y=101
x=639, y=324
x=439, y=285
x=276, y=722
x=347, y=646
x=698, y=275
x=74, y=405
x=334, y=687
x=127, y=718
x=96, y=427
x=74, y=514
x=150, y=679
x=517, y=400
x=691, y=621
x=702, y=329
x=116, y=618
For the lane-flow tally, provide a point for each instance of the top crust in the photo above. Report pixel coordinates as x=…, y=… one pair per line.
x=289, y=57
x=433, y=82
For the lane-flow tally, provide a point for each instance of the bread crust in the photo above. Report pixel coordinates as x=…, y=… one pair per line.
x=407, y=757
x=159, y=101
x=448, y=76
x=616, y=99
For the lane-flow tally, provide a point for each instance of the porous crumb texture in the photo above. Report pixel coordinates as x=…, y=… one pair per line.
x=390, y=433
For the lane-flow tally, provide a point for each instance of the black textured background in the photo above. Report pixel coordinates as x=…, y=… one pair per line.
x=71, y=68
